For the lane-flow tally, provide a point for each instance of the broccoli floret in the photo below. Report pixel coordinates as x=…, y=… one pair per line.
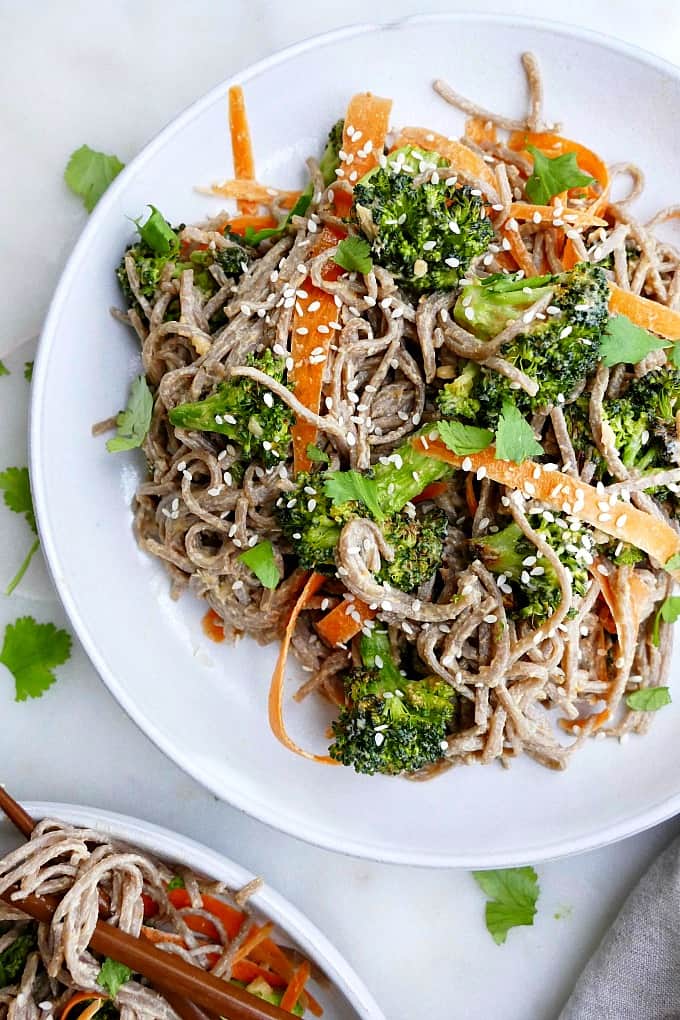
x=425, y=234
x=330, y=159
x=390, y=724
x=456, y=399
x=558, y=352
x=311, y=520
x=535, y=590
x=237, y=409
x=13, y=958
x=624, y=555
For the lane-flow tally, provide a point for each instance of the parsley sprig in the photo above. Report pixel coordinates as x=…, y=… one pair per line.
x=16, y=488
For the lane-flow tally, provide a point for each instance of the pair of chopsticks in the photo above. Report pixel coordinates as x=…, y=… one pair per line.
x=188, y=989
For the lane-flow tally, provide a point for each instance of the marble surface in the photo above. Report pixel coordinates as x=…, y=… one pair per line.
x=111, y=76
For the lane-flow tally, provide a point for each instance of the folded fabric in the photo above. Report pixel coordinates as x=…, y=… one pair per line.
x=635, y=972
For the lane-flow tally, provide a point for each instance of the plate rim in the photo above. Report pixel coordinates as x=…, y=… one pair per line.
x=269, y=814
x=168, y=843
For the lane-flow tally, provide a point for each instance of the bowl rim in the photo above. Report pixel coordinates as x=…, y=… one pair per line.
x=174, y=846
x=590, y=839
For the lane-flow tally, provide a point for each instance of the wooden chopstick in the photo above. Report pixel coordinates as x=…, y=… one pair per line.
x=192, y=987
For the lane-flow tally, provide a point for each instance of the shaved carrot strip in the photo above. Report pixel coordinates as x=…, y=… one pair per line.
x=241, y=145
x=269, y=953
x=296, y=986
x=307, y=372
x=431, y=492
x=156, y=935
x=479, y=130
x=643, y=312
x=519, y=250
x=471, y=495
x=314, y=582
x=459, y=156
x=240, y=224
x=570, y=256
x=628, y=524
x=251, y=191
x=256, y=935
x=546, y=214
x=247, y=971
x=231, y=918
x=213, y=626
x=79, y=998
x=338, y=627
x=363, y=140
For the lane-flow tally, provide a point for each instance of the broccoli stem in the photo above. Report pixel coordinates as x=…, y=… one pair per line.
x=405, y=476
x=376, y=645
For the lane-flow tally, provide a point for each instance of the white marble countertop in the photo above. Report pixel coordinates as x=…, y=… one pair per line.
x=111, y=76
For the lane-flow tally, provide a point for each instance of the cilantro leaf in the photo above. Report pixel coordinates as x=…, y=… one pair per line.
x=157, y=233
x=28, y=371
x=648, y=699
x=553, y=176
x=354, y=254
x=133, y=423
x=17, y=492
x=16, y=486
x=512, y=893
x=113, y=975
x=316, y=455
x=31, y=651
x=674, y=354
x=260, y=559
x=253, y=237
x=3, y=369
x=88, y=174
x=515, y=439
x=669, y=612
x=673, y=562
x=346, y=486
x=624, y=343
x=464, y=439
x=176, y=882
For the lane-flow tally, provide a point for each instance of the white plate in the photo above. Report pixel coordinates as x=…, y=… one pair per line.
x=345, y=998
x=205, y=705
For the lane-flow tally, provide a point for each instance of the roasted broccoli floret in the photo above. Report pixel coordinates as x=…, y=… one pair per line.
x=330, y=159
x=535, y=590
x=456, y=399
x=558, y=352
x=159, y=245
x=245, y=412
x=623, y=555
x=13, y=958
x=313, y=521
x=390, y=724
x=426, y=234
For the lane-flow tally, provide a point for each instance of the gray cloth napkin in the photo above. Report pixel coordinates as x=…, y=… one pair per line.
x=635, y=972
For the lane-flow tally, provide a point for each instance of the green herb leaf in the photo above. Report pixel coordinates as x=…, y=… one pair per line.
x=354, y=254
x=157, y=233
x=28, y=371
x=673, y=563
x=88, y=174
x=649, y=699
x=348, y=486
x=261, y=561
x=553, y=176
x=113, y=976
x=316, y=455
x=3, y=369
x=674, y=354
x=31, y=651
x=133, y=423
x=19, y=576
x=176, y=882
x=16, y=487
x=515, y=439
x=253, y=237
x=669, y=611
x=513, y=893
x=464, y=439
x=13, y=958
x=624, y=343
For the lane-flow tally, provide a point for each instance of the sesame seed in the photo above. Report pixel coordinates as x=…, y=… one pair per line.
x=491, y=618
x=481, y=473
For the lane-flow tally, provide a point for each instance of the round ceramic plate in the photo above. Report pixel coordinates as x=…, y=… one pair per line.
x=205, y=705
x=344, y=997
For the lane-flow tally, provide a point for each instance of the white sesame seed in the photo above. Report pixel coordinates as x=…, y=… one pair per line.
x=467, y=464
